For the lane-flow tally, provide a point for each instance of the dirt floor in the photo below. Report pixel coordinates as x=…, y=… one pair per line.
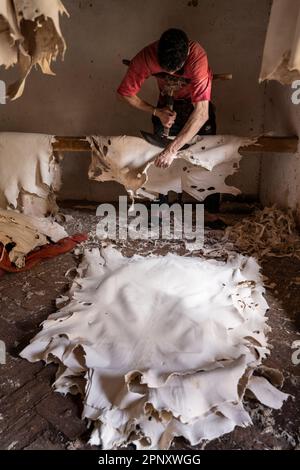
x=32, y=416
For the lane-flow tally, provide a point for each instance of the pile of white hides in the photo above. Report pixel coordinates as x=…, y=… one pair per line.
x=160, y=347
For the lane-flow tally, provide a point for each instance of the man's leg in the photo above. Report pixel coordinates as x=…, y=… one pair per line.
x=158, y=129
x=211, y=203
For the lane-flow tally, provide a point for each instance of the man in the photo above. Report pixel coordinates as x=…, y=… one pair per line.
x=173, y=57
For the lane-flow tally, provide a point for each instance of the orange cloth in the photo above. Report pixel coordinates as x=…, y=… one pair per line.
x=47, y=251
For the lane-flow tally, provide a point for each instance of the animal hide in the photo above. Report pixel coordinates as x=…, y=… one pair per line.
x=281, y=59
x=200, y=170
x=21, y=234
x=29, y=173
x=160, y=347
x=30, y=35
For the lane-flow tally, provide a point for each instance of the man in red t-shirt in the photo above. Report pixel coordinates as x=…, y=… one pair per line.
x=174, y=56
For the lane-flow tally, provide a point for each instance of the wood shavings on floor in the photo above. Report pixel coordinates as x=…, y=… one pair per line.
x=269, y=232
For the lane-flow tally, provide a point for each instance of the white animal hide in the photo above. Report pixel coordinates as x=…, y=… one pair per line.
x=200, y=170
x=281, y=58
x=23, y=234
x=30, y=35
x=158, y=347
x=9, y=34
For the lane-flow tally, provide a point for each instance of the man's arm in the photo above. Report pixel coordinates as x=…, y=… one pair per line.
x=196, y=120
x=166, y=116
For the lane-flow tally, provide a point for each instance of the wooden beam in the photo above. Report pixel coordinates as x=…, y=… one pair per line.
x=264, y=144
x=272, y=145
x=71, y=144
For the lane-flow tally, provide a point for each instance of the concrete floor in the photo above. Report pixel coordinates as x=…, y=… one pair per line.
x=32, y=416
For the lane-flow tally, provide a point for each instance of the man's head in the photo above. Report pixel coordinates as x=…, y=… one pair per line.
x=173, y=49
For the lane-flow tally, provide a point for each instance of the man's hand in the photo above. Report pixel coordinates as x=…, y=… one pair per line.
x=166, y=116
x=165, y=158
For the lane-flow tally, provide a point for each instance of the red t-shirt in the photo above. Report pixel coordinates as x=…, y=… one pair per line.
x=196, y=69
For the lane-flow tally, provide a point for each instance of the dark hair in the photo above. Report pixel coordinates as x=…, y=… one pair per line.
x=173, y=49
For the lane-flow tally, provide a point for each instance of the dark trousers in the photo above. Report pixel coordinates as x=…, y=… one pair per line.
x=184, y=109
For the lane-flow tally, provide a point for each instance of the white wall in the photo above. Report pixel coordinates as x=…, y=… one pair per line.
x=81, y=98
x=280, y=176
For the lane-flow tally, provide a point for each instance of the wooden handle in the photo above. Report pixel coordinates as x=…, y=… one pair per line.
x=170, y=105
x=216, y=76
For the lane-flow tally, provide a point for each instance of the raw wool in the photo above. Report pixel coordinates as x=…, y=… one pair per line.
x=21, y=234
x=29, y=173
x=160, y=347
x=200, y=170
x=30, y=35
x=281, y=59
x=269, y=232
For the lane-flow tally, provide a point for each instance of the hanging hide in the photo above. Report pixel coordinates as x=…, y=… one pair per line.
x=281, y=58
x=200, y=170
x=29, y=173
x=30, y=35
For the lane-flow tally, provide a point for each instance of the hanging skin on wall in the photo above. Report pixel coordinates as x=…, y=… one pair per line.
x=30, y=35
x=170, y=353
x=9, y=34
x=29, y=173
x=281, y=59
